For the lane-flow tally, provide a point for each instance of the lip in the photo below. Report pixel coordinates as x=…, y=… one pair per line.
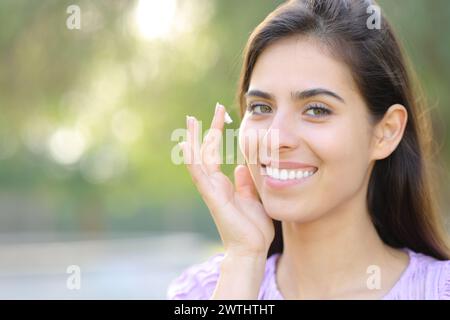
x=288, y=165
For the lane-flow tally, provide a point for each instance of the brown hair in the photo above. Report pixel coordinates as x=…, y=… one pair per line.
x=400, y=196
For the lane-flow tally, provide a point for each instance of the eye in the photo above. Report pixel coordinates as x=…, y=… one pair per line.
x=317, y=111
x=258, y=108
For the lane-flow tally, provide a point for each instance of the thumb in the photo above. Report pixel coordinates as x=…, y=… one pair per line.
x=244, y=183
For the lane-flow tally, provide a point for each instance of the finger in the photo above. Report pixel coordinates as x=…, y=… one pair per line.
x=210, y=150
x=198, y=175
x=187, y=145
x=200, y=179
x=219, y=117
x=244, y=184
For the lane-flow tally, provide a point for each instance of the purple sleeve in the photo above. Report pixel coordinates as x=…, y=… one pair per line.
x=196, y=282
x=444, y=288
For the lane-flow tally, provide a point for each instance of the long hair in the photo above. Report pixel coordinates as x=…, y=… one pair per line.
x=401, y=201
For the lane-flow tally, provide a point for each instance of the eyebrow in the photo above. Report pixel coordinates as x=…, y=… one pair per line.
x=297, y=94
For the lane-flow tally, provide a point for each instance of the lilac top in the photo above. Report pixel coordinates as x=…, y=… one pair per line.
x=424, y=278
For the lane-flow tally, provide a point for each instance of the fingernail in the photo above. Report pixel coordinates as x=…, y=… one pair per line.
x=218, y=106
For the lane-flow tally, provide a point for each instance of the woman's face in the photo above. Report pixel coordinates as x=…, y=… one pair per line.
x=309, y=100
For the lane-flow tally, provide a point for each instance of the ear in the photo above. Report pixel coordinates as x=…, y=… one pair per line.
x=389, y=132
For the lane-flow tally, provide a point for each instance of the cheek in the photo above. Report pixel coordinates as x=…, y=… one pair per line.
x=243, y=133
x=249, y=147
x=343, y=150
x=248, y=140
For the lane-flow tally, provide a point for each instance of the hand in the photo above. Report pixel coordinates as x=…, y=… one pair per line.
x=242, y=222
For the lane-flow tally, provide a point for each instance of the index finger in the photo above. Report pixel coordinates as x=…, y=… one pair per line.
x=211, y=155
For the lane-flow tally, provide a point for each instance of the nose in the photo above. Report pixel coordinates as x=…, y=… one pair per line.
x=282, y=135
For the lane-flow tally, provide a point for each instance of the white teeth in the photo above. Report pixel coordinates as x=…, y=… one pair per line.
x=275, y=173
x=292, y=175
x=285, y=174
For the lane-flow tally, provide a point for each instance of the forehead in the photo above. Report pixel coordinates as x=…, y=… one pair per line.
x=298, y=63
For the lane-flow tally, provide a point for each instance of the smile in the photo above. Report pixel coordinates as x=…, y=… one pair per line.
x=286, y=174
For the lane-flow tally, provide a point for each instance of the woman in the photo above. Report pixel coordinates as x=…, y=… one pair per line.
x=342, y=206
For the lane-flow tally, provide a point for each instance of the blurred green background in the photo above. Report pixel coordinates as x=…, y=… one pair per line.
x=86, y=116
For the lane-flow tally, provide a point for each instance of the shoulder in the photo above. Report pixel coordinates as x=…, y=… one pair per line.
x=440, y=269
x=198, y=281
x=426, y=278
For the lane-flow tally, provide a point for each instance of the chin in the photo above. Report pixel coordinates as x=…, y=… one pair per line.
x=289, y=213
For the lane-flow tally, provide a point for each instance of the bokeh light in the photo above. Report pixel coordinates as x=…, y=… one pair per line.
x=155, y=18
x=66, y=146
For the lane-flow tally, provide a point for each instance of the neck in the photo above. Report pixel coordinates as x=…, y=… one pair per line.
x=330, y=256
